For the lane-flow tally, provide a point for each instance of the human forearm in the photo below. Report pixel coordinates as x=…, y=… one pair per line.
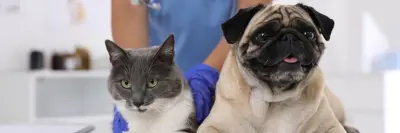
x=129, y=24
x=217, y=57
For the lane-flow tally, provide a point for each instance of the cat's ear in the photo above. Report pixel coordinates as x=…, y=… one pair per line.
x=166, y=51
x=114, y=51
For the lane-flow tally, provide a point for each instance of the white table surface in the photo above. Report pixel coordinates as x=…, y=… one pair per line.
x=42, y=128
x=102, y=124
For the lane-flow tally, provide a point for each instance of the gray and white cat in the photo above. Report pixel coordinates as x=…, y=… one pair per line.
x=149, y=89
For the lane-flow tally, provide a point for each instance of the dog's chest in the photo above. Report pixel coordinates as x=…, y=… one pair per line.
x=285, y=119
x=280, y=118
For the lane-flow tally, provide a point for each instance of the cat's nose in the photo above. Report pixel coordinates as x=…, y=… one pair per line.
x=138, y=97
x=138, y=103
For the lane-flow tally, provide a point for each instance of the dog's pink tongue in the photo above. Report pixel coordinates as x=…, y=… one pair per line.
x=290, y=60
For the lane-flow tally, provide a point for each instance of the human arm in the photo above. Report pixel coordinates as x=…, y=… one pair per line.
x=129, y=24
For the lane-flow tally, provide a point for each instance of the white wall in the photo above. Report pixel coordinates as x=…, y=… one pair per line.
x=344, y=52
x=361, y=94
x=44, y=24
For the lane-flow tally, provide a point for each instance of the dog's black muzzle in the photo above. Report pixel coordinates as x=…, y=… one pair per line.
x=288, y=42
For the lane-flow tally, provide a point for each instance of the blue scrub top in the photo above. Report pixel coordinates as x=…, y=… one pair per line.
x=196, y=25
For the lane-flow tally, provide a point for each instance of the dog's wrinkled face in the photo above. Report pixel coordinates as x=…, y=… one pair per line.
x=278, y=45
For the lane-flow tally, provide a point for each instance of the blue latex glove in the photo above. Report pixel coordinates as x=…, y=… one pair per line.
x=202, y=79
x=119, y=124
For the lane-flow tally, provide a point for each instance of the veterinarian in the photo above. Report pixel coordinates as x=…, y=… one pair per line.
x=200, y=47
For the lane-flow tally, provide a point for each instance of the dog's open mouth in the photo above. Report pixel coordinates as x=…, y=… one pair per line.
x=290, y=59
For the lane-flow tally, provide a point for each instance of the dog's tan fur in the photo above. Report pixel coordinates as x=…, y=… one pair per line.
x=236, y=109
x=244, y=104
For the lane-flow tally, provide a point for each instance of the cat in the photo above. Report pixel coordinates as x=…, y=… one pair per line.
x=149, y=89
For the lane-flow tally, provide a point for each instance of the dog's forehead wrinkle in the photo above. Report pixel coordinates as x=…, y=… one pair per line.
x=289, y=10
x=263, y=14
x=286, y=14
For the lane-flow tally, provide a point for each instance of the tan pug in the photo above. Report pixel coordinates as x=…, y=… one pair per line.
x=271, y=82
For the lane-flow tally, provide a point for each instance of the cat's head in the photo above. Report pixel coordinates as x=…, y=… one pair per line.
x=144, y=78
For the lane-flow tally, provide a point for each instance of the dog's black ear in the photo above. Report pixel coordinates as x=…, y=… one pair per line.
x=323, y=22
x=234, y=27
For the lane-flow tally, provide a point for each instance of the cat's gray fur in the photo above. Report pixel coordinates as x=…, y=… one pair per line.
x=142, y=106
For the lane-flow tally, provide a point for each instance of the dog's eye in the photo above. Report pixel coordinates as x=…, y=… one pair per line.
x=309, y=35
x=262, y=37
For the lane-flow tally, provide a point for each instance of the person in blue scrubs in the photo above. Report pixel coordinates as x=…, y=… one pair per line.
x=200, y=47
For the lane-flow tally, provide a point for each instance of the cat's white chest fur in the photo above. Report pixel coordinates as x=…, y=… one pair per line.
x=170, y=120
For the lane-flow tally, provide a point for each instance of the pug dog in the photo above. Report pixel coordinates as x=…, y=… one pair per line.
x=271, y=81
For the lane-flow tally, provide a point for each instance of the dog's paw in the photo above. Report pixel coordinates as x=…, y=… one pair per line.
x=350, y=129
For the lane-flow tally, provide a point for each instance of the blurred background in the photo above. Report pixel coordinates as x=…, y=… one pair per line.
x=361, y=62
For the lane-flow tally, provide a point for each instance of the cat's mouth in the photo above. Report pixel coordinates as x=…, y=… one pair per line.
x=141, y=110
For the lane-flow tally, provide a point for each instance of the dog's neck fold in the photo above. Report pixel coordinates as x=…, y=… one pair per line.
x=231, y=81
x=232, y=87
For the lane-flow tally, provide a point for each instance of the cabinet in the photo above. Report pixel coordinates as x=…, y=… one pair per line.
x=54, y=96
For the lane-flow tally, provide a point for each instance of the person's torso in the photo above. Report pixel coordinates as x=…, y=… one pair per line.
x=195, y=24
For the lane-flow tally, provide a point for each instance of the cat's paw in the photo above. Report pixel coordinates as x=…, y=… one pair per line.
x=350, y=129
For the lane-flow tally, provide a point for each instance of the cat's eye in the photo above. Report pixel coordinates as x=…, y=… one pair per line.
x=152, y=83
x=126, y=84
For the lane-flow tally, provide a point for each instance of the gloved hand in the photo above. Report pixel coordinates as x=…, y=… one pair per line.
x=202, y=79
x=119, y=124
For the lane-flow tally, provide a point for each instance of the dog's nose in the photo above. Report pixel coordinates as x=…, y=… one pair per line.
x=288, y=38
